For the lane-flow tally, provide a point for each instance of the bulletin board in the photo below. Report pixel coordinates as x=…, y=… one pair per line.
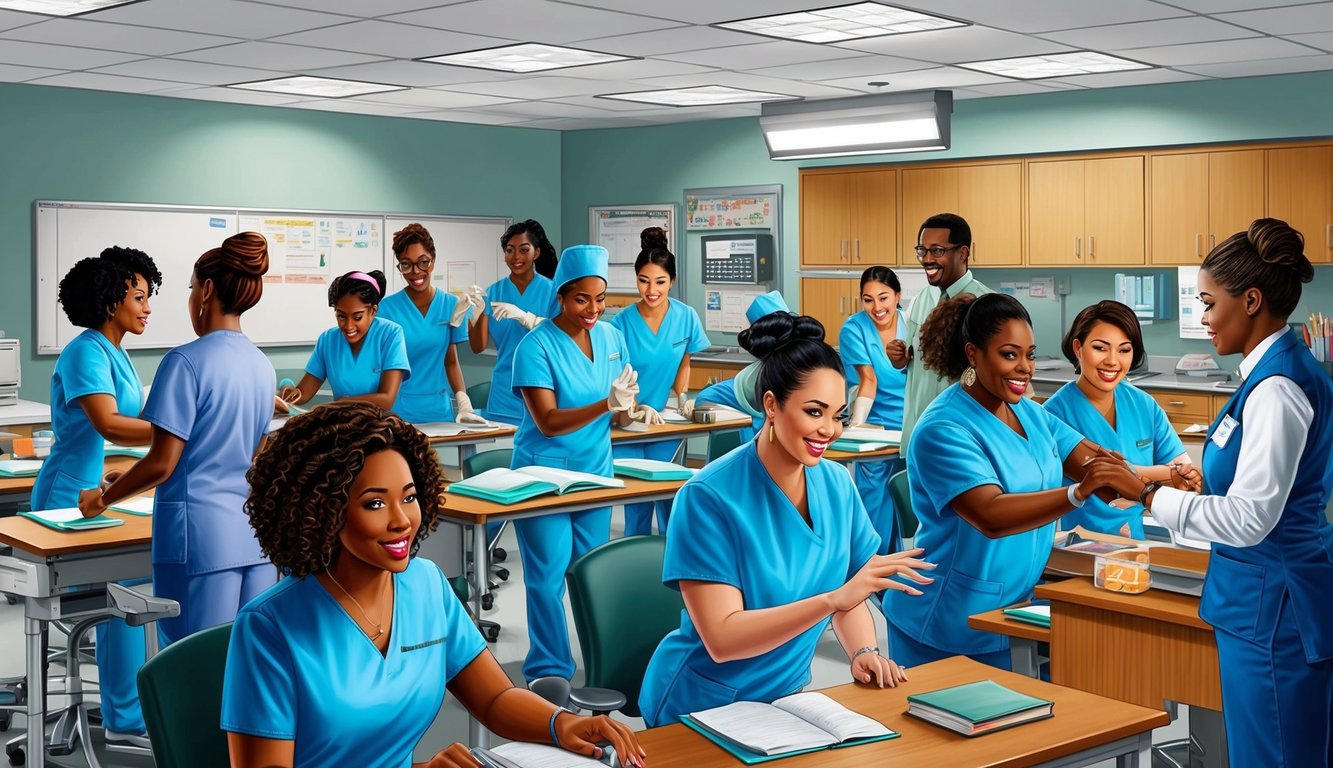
x=616, y=228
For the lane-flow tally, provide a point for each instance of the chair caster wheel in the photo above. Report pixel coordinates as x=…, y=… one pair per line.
x=487, y=601
x=498, y=555
x=16, y=757
x=502, y=574
x=492, y=634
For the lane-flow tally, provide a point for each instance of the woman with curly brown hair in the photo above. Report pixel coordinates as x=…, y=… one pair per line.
x=210, y=406
x=346, y=661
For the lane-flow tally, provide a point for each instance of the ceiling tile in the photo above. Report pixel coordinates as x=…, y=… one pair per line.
x=1292, y=20
x=466, y=116
x=386, y=38
x=284, y=58
x=411, y=73
x=1315, y=63
x=1131, y=77
x=1045, y=15
x=842, y=68
x=94, y=81
x=189, y=72
x=1144, y=34
x=13, y=19
x=1320, y=40
x=13, y=74
x=749, y=82
x=230, y=95
x=1216, y=53
x=921, y=80
x=772, y=54
x=543, y=87
x=701, y=11
x=252, y=21
x=146, y=41
x=360, y=8
x=1221, y=6
x=574, y=123
x=957, y=44
x=429, y=98
x=532, y=109
x=638, y=69
x=672, y=40
x=355, y=106
x=1004, y=89
x=609, y=105
x=58, y=56
x=532, y=20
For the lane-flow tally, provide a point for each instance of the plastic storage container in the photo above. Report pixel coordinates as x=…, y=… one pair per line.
x=1123, y=571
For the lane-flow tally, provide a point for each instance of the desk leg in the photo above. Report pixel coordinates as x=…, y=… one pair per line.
x=36, y=671
x=1023, y=656
x=478, y=736
x=1141, y=757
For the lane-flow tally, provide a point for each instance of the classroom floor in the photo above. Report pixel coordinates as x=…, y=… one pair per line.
x=829, y=668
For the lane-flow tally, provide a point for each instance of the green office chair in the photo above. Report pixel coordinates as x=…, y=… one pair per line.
x=902, y=504
x=180, y=690
x=479, y=394
x=722, y=443
x=621, y=612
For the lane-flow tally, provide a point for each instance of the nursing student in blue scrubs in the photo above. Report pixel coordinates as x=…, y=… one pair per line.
x=95, y=396
x=364, y=357
x=210, y=406
x=761, y=584
x=863, y=344
x=986, y=468
x=1267, y=479
x=574, y=376
x=346, y=660
x=517, y=304
x=1105, y=343
x=661, y=334
x=432, y=323
x=740, y=392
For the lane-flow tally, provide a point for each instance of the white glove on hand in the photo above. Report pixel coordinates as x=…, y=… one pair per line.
x=648, y=415
x=463, y=413
x=504, y=311
x=461, y=308
x=684, y=405
x=860, y=411
x=623, y=390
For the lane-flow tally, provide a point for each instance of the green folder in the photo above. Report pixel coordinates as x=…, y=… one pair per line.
x=521, y=490
x=752, y=758
x=978, y=707
x=859, y=446
x=20, y=467
x=651, y=469
x=1038, y=615
x=71, y=520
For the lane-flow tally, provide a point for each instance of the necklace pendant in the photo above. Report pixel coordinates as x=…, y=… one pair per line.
x=378, y=631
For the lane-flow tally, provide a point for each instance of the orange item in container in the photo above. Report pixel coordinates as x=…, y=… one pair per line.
x=1124, y=571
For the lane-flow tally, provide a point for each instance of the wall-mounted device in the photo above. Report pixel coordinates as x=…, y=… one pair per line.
x=9, y=371
x=737, y=259
x=1145, y=294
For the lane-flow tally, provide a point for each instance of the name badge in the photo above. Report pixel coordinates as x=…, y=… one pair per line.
x=680, y=343
x=1223, y=432
x=613, y=356
x=1144, y=443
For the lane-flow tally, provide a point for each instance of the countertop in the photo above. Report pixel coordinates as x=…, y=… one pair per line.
x=1159, y=375
x=722, y=355
x=25, y=412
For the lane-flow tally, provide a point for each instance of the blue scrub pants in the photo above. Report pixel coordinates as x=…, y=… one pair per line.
x=639, y=517
x=549, y=545
x=1277, y=707
x=910, y=652
x=120, y=653
x=872, y=482
x=207, y=599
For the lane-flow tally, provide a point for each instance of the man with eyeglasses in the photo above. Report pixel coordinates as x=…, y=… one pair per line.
x=944, y=244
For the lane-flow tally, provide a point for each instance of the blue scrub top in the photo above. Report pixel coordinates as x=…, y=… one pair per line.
x=426, y=395
x=89, y=365
x=548, y=358
x=658, y=355
x=768, y=552
x=958, y=446
x=300, y=669
x=859, y=344
x=216, y=394
x=349, y=374
x=539, y=298
x=1142, y=434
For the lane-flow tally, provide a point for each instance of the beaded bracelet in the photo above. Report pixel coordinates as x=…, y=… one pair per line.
x=865, y=649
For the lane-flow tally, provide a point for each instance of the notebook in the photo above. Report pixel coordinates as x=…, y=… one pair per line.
x=1039, y=615
x=71, y=520
x=451, y=428
x=136, y=451
x=977, y=708
x=755, y=732
x=509, y=486
x=858, y=446
x=651, y=469
x=872, y=435
x=20, y=467
x=135, y=505
x=519, y=754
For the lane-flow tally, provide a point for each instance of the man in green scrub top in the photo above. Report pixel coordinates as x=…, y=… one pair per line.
x=944, y=244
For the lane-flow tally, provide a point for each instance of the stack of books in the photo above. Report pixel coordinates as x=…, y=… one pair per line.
x=651, y=469
x=510, y=486
x=976, y=708
x=1039, y=615
x=866, y=439
x=20, y=467
x=70, y=520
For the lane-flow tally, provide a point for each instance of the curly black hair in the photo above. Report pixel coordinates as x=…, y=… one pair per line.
x=299, y=483
x=94, y=287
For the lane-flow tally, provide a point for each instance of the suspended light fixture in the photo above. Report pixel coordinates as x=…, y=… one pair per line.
x=858, y=125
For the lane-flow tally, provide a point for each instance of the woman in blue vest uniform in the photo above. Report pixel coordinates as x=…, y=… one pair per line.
x=740, y=392
x=762, y=582
x=95, y=396
x=347, y=660
x=432, y=323
x=210, y=406
x=879, y=389
x=986, y=467
x=1105, y=343
x=517, y=304
x=1267, y=480
x=661, y=334
x=574, y=376
x=364, y=357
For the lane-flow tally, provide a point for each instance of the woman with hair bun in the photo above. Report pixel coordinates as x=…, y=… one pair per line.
x=1267, y=478
x=762, y=582
x=364, y=357
x=210, y=406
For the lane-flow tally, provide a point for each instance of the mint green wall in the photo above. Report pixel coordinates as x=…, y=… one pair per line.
x=655, y=164
x=64, y=144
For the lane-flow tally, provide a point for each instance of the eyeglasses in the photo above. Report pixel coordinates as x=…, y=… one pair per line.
x=935, y=250
x=422, y=264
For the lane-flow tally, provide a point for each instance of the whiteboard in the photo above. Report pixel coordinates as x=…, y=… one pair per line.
x=617, y=227
x=306, y=250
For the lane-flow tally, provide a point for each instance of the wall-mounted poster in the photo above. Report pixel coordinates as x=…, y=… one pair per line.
x=706, y=211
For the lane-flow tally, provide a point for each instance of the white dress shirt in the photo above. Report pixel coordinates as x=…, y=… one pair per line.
x=1276, y=418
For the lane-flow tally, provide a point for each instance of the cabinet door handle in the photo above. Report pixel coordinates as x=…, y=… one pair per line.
x=1176, y=403
x=1328, y=235
x=1078, y=247
x=858, y=250
x=842, y=305
x=1198, y=245
x=1212, y=242
x=1092, y=247
x=842, y=250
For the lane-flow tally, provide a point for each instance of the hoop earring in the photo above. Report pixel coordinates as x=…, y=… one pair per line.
x=969, y=376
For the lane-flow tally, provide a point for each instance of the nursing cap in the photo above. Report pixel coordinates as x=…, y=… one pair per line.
x=578, y=261
x=765, y=304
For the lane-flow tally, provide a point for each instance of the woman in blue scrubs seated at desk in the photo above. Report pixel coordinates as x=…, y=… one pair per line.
x=432, y=323
x=741, y=392
x=879, y=389
x=769, y=543
x=345, y=662
x=517, y=304
x=986, y=467
x=573, y=373
x=210, y=406
x=1268, y=478
x=661, y=334
x=1105, y=343
x=96, y=395
x=364, y=357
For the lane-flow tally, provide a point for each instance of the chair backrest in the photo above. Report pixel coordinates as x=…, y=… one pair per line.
x=621, y=612
x=722, y=443
x=480, y=462
x=180, y=690
x=479, y=394
x=900, y=492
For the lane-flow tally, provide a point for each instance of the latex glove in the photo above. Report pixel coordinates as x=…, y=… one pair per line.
x=475, y=297
x=648, y=415
x=623, y=390
x=860, y=411
x=463, y=412
x=501, y=310
x=461, y=308
x=684, y=405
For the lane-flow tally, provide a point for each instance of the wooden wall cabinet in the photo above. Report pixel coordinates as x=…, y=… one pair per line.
x=705, y=374
x=1300, y=192
x=849, y=218
x=830, y=300
x=1086, y=212
x=1200, y=199
x=988, y=196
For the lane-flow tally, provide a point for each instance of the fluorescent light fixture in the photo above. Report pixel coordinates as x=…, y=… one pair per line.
x=698, y=96
x=322, y=87
x=858, y=125
x=1056, y=65
x=526, y=57
x=61, y=7
x=843, y=22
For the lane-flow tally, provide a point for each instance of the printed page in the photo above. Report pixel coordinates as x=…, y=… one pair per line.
x=525, y=755
x=499, y=479
x=829, y=715
x=564, y=479
x=762, y=728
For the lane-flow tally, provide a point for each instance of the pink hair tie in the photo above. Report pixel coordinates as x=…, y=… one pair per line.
x=363, y=276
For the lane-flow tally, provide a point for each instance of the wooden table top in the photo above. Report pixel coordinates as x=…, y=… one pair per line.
x=25, y=484
x=996, y=621
x=471, y=510
x=1081, y=721
x=669, y=430
x=503, y=430
x=882, y=453
x=22, y=533
x=1158, y=604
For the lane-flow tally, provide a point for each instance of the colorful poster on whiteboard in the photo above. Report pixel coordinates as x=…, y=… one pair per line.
x=1191, y=309
x=703, y=211
x=617, y=227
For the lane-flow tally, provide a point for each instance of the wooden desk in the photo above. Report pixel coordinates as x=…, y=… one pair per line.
x=1086, y=729
x=19, y=489
x=1023, y=638
x=856, y=457
x=674, y=431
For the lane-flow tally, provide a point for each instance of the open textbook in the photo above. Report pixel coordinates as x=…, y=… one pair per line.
x=518, y=754
x=508, y=486
x=755, y=732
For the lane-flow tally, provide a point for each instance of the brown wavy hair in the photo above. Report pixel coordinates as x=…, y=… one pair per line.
x=937, y=337
x=1270, y=256
x=1113, y=313
x=299, y=483
x=413, y=233
x=237, y=270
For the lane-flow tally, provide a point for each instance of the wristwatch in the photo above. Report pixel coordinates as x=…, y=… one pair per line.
x=1148, y=489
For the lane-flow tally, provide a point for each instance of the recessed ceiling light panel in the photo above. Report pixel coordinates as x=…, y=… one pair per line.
x=1056, y=65
x=61, y=7
x=526, y=57
x=320, y=87
x=698, y=96
x=840, y=23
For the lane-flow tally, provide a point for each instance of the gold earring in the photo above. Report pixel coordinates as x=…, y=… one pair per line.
x=969, y=376
x=770, y=433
